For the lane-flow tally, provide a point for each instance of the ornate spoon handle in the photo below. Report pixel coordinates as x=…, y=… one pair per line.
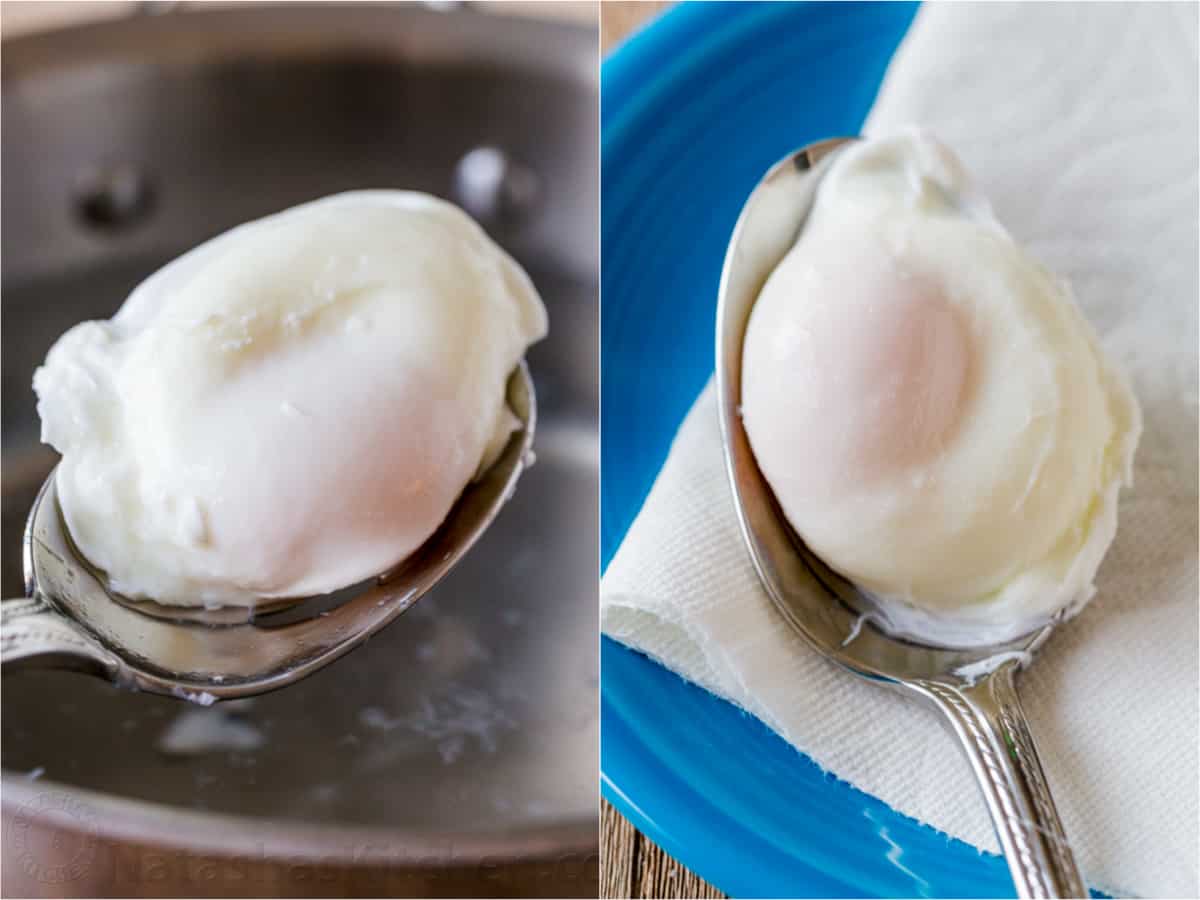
x=34, y=635
x=988, y=720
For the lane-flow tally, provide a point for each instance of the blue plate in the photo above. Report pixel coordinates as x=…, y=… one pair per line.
x=694, y=109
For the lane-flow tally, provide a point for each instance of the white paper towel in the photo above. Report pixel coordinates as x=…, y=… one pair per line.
x=1080, y=123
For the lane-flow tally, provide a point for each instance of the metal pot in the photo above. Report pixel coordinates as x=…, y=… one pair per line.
x=456, y=753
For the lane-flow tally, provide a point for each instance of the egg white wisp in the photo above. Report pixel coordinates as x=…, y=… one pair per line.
x=291, y=407
x=929, y=406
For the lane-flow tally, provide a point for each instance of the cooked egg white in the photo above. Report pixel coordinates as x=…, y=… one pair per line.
x=929, y=406
x=291, y=407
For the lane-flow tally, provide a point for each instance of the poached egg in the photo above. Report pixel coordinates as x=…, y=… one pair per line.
x=293, y=406
x=929, y=406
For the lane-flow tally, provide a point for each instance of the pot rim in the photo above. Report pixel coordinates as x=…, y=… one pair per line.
x=199, y=35
x=228, y=835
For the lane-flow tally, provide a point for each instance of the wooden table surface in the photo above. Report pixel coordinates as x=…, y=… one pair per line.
x=631, y=865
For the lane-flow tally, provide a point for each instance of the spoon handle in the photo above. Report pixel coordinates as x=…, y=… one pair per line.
x=32, y=635
x=988, y=720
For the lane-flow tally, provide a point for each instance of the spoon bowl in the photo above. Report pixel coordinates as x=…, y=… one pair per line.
x=972, y=685
x=71, y=619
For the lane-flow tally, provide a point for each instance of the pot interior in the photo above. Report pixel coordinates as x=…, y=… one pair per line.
x=477, y=710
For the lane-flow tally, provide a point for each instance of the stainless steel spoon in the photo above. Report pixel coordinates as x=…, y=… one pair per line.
x=973, y=687
x=71, y=620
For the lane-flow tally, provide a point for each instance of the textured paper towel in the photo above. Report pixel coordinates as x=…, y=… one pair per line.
x=1081, y=125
